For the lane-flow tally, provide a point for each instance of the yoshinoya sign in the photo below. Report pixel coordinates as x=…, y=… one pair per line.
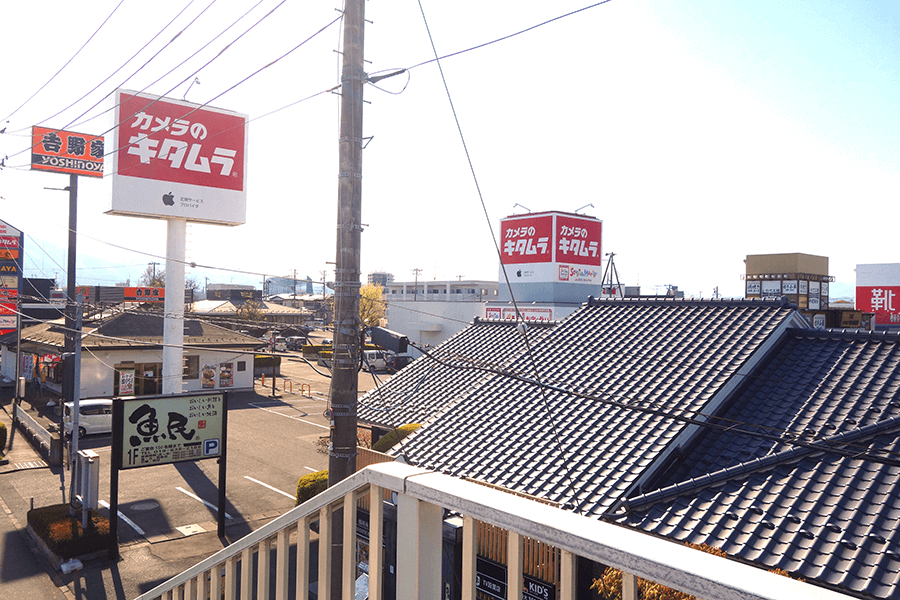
x=66, y=152
x=167, y=429
x=175, y=159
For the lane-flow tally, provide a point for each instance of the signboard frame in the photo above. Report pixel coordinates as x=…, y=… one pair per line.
x=118, y=450
x=178, y=160
x=68, y=152
x=12, y=242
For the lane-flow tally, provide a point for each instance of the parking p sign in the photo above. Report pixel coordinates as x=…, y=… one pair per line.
x=211, y=447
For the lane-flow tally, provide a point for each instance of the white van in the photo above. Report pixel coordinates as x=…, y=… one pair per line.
x=374, y=360
x=95, y=416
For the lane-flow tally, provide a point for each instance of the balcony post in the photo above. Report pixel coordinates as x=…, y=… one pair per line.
x=349, y=549
x=567, y=576
x=303, y=559
x=376, y=534
x=469, y=552
x=515, y=553
x=282, y=554
x=419, y=548
x=263, y=569
x=325, y=515
x=629, y=586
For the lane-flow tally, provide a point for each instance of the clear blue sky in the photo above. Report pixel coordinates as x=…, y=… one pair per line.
x=701, y=132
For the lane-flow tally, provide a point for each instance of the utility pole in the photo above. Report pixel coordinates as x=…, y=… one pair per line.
x=416, y=284
x=346, y=355
x=153, y=281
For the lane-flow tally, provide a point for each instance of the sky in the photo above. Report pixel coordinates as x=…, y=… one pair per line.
x=698, y=131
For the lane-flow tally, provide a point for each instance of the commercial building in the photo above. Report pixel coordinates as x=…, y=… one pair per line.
x=804, y=280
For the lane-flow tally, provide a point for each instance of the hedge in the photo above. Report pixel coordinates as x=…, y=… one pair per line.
x=311, y=485
x=390, y=439
x=3, y=435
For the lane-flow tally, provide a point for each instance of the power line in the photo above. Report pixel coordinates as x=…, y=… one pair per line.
x=816, y=443
x=108, y=77
x=77, y=52
x=506, y=37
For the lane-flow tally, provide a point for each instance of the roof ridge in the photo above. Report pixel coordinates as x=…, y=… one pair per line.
x=754, y=466
x=781, y=302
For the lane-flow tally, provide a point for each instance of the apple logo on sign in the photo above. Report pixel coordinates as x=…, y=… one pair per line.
x=168, y=199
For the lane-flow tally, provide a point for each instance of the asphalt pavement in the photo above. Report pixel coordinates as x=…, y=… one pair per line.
x=149, y=559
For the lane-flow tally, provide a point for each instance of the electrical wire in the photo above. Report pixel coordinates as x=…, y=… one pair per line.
x=133, y=56
x=818, y=443
x=219, y=54
x=519, y=317
x=506, y=37
x=77, y=52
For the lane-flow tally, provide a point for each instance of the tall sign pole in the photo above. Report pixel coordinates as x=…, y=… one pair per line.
x=346, y=355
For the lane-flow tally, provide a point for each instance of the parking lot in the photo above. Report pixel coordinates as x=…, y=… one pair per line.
x=273, y=435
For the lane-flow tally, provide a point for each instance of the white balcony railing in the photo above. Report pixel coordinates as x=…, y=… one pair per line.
x=420, y=498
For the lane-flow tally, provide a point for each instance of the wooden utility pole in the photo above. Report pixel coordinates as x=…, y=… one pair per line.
x=346, y=355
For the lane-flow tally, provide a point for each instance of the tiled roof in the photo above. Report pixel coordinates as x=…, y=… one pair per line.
x=135, y=330
x=435, y=381
x=831, y=516
x=617, y=379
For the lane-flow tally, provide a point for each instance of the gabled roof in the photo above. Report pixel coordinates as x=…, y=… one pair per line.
x=133, y=330
x=433, y=382
x=600, y=400
x=828, y=509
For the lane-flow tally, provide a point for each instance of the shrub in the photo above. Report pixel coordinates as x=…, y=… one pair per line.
x=3, y=435
x=389, y=440
x=311, y=485
x=63, y=533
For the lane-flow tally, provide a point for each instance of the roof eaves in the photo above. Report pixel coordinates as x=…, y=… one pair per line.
x=742, y=470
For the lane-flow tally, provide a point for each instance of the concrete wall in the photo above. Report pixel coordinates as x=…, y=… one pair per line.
x=431, y=322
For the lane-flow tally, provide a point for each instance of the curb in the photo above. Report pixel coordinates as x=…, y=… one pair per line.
x=54, y=558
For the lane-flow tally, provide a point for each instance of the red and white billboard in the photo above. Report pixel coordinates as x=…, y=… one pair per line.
x=527, y=240
x=553, y=247
x=878, y=292
x=175, y=159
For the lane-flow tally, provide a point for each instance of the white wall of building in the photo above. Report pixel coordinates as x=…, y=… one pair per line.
x=432, y=322
x=98, y=378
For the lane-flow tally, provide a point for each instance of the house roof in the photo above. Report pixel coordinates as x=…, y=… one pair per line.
x=446, y=374
x=599, y=400
x=133, y=330
x=227, y=307
x=827, y=510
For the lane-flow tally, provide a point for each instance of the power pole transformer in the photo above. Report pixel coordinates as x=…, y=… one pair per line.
x=347, y=326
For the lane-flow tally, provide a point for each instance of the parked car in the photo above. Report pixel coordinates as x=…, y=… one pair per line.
x=94, y=416
x=295, y=342
x=395, y=362
x=374, y=360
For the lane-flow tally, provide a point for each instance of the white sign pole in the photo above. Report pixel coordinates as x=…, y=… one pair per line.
x=173, y=328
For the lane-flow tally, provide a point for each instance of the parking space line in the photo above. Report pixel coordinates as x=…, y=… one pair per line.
x=266, y=485
x=130, y=523
x=275, y=412
x=198, y=498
